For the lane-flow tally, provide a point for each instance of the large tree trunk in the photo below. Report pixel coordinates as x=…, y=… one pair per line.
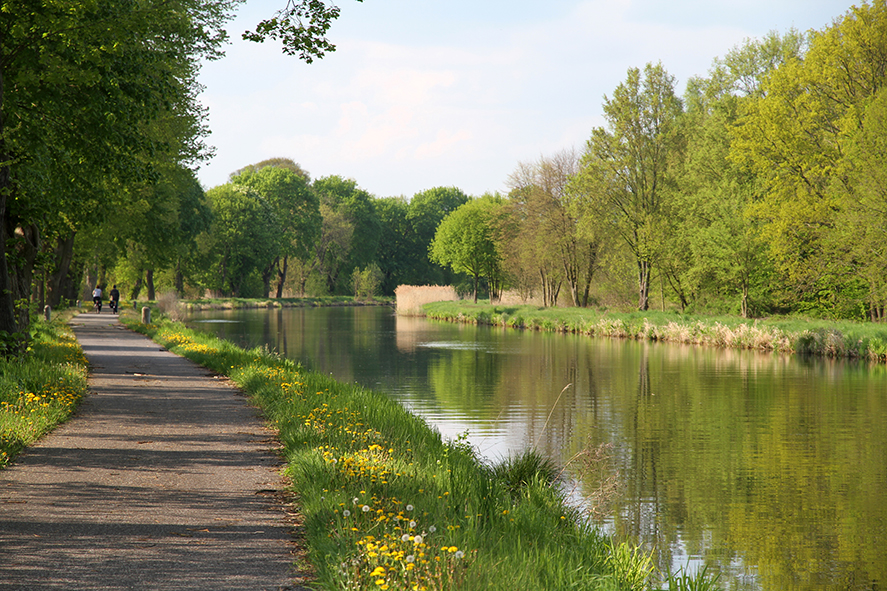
x=281, y=277
x=149, y=282
x=64, y=254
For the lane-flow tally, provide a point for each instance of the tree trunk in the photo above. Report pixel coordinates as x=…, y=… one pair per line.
x=179, y=279
x=281, y=277
x=644, y=270
x=136, y=289
x=149, y=281
x=64, y=254
x=8, y=323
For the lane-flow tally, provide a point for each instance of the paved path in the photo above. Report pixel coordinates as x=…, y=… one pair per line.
x=162, y=481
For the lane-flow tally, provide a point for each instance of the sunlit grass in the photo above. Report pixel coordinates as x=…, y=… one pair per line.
x=41, y=388
x=388, y=504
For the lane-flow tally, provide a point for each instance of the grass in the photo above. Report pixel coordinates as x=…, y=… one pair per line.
x=41, y=388
x=853, y=340
x=388, y=504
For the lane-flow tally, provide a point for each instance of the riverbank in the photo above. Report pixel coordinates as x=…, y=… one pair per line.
x=849, y=340
x=388, y=504
x=305, y=302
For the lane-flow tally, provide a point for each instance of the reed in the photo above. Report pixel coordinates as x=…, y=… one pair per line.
x=389, y=504
x=411, y=298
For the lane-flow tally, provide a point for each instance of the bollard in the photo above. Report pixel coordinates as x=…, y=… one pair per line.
x=146, y=315
x=47, y=313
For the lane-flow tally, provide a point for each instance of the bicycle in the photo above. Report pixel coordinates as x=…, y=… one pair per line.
x=97, y=305
x=114, y=305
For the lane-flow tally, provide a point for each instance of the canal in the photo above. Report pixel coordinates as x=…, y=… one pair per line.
x=766, y=468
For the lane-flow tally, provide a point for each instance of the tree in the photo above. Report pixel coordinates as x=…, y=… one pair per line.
x=241, y=239
x=296, y=214
x=344, y=204
x=80, y=84
x=796, y=138
x=465, y=241
x=551, y=232
x=631, y=160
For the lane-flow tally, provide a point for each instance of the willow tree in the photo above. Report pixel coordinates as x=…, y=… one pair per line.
x=632, y=159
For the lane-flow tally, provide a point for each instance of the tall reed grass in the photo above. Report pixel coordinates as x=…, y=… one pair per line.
x=41, y=388
x=411, y=298
x=840, y=339
x=388, y=504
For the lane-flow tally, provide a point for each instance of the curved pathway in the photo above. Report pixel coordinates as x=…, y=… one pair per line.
x=165, y=479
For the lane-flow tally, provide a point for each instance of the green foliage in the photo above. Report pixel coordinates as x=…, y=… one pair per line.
x=465, y=241
x=301, y=28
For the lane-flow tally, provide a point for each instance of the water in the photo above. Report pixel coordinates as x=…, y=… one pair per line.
x=769, y=469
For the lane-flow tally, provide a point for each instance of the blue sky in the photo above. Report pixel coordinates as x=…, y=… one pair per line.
x=427, y=93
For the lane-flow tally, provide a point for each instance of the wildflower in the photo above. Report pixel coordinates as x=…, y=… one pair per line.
x=405, y=538
x=432, y=529
x=410, y=558
x=459, y=554
x=412, y=524
x=409, y=507
x=417, y=540
x=346, y=513
x=365, y=508
x=452, y=549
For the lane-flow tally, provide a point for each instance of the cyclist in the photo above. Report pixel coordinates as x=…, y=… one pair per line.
x=97, y=299
x=114, y=302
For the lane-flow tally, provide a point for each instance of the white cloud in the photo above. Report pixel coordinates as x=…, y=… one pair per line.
x=445, y=94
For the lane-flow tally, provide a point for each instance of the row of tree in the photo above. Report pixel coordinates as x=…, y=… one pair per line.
x=763, y=190
x=100, y=132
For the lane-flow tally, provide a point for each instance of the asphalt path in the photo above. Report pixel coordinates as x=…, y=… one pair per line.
x=165, y=479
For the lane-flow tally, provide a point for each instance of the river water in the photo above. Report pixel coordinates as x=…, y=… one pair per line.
x=768, y=469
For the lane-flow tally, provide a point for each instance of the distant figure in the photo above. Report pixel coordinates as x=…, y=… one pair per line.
x=115, y=299
x=97, y=298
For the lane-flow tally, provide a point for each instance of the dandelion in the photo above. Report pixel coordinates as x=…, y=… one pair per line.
x=432, y=529
x=410, y=559
x=365, y=508
x=412, y=524
x=459, y=554
x=417, y=540
x=346, y=513
x=452, y=549
x=409, y=507
x=405, y=538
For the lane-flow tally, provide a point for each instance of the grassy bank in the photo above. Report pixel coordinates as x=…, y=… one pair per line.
x=41, y=388
x=388, y=504
x=790, y=335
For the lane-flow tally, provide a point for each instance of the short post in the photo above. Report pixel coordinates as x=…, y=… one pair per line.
x=47, y=313
x=146, y=315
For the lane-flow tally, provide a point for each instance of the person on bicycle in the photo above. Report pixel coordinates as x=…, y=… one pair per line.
x=115, y=299
x=97, y=298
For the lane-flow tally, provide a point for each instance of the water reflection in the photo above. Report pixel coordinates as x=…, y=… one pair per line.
x=769, y=469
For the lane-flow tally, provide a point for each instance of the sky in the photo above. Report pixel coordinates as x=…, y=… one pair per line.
x=456, y=93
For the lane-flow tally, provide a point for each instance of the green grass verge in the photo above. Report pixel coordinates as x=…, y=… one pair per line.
x=41, y=388
x=388, y=504
x=789, y=335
